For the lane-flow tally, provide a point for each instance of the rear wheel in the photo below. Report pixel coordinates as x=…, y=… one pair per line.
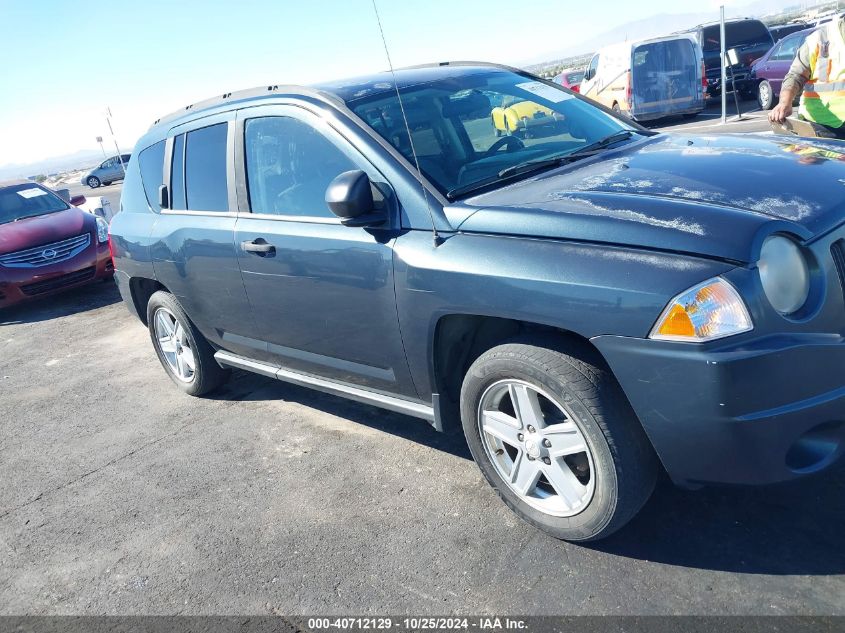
x=183, y=351
x=553, y=434
x=765, y=95
x=93, y=182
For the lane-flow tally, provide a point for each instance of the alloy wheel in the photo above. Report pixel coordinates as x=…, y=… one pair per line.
x=536, y=447
x=174, y=345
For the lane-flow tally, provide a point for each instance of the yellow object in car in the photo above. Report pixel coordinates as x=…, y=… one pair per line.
x=521, y=116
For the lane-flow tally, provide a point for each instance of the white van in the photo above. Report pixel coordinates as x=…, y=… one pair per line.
x=648, y=79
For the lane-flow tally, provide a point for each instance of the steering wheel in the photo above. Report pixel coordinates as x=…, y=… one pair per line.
x=513, y=143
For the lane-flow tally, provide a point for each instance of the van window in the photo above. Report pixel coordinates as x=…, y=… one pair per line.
x=289, y=166
x=177, y=174
x=593, y=67
x=151, y=163
x=205, y=169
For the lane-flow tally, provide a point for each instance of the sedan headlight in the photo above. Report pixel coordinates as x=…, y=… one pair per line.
x=705, y=312
x=784, y=274
x=102, y=230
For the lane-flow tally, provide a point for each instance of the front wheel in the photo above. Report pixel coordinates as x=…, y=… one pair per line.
x=765, y=95
x=93, y=182
x=183, y=351
x=556, y=438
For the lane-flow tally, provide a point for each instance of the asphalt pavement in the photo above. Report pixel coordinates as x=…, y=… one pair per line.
x=121, y=495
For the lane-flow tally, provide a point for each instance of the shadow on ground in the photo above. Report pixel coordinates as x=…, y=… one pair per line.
x=790, y=529
x=83, y=299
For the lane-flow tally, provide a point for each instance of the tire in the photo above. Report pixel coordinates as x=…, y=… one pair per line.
x=690, y=115
x=615, y=472
x=93, y=182
x=187, y=342
x=765, y=95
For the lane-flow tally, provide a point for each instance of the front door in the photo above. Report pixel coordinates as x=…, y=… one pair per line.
x=322, y=293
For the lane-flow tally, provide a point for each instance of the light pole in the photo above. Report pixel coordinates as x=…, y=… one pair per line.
x=724, y=62
x=119, y=156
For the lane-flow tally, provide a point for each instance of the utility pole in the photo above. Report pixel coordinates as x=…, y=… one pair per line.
x=724, y=80
x=119, y=156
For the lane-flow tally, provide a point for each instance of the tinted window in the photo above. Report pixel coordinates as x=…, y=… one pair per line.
x=177, y=174
x=205, y=169
x=289, y=165
x=27, y=200
x=151, y=163
x=575, y=78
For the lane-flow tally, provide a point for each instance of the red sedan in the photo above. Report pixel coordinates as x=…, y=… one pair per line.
x=571, y=78
x=47, y=245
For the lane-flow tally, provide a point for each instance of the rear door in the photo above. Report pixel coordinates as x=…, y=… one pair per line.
x=323, y=295
x=665, y=78
x=780, y=60
x=193, y=247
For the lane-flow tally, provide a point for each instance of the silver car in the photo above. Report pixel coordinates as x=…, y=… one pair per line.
x=107, y=172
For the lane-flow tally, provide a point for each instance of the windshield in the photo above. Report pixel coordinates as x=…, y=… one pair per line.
x=27, y=200
x=575, y=78
x=469, y=129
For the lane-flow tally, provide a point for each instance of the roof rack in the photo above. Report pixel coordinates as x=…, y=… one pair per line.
x=248, y=93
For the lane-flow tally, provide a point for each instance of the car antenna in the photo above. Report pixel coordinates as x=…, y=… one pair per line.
x=438, y=240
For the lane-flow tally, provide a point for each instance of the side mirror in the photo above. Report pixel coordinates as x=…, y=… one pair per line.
x=350, y=197
x=78, y=200
x=163, y=197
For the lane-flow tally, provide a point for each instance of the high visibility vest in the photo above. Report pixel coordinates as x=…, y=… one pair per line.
x=823, y=99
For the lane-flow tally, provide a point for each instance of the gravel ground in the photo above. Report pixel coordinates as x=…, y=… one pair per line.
x=121, y=495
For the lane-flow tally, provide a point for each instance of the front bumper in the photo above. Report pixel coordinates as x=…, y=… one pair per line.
x=763, y=411
x=23, y=284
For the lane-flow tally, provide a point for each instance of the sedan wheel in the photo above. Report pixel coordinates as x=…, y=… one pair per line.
x=765, y=96
x=536, y=447
x=93, y=182
x=174, y=345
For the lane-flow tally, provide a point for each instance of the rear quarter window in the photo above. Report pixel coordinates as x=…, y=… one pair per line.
x=151, y=163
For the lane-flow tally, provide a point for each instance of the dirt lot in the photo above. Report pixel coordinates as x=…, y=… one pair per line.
x=120, y=495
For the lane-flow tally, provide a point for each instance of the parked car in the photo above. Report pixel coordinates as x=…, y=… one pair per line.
x=571, y=78
x=648, y=79
x=749, y=38
x=781, y=31
x=587, y=307
x=109, y=171
x=520, y=116
x=770, y=70
x=46, y=244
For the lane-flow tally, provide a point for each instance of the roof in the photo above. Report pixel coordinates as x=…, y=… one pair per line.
x=343, y=91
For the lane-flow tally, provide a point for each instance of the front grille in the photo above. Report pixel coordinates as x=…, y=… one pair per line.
x=54, y=283
x=46, y=254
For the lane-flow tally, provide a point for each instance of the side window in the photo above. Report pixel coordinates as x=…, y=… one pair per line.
x=108, y=164
x=776, y=51
x=205, y=169
x=151, y=163
x=289, y=165
x=593, y=67
x=177, y=174
x=788, y=49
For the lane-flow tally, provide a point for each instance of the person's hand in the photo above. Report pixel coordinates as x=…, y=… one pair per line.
x=779, y=113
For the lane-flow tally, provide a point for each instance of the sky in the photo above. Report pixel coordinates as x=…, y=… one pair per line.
x=65, y=62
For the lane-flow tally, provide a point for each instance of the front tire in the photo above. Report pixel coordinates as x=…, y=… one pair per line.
x=765, y=95
x=93, y=182
x=554, y=435
x=182, y=350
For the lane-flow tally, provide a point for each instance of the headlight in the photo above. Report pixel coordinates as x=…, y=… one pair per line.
x=784, y=274
x=708, y=311
x=102, y=230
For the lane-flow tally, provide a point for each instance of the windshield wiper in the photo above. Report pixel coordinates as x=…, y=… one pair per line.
x=553, y=161
x=542, y=163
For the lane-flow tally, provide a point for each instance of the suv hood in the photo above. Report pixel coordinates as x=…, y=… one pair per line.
x=707, y=195
x=43, y=229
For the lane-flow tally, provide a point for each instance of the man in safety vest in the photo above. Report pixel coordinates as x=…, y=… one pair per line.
x=818, y=75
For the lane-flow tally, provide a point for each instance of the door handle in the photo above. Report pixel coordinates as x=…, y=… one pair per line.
x=258, y=246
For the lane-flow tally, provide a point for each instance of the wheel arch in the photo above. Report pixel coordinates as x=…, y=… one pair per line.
x=459, y=339
x=141, y=289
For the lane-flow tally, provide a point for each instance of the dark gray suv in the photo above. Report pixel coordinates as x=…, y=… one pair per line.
x=587, y=305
